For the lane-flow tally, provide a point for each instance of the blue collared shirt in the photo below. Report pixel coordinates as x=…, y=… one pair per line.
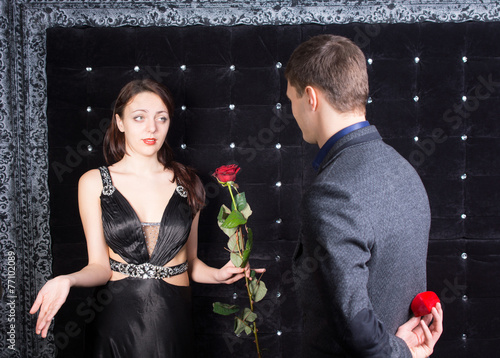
x=334, y=139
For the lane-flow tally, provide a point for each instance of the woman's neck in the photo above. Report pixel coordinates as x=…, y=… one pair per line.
x=139, y=165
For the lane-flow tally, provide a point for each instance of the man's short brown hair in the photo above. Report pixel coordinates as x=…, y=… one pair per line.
x=335, y=65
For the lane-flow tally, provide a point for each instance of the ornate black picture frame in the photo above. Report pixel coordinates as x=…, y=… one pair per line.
x=25, y=255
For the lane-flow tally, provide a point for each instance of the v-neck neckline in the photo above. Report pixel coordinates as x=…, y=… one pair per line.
x=137, y=216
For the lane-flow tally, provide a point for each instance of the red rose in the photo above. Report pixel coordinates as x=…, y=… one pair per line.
x=226, y=173
x=423, y=302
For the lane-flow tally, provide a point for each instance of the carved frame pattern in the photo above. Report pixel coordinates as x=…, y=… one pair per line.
x=24, y=196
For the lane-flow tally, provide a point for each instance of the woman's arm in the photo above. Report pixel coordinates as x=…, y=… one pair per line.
x=202, y=273
x=97, y=272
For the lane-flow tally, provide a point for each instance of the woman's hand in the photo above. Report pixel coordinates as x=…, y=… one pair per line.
x=418, y=336
x=229, y=273
x=50, y=298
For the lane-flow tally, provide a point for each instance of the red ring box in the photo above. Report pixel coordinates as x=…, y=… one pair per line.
x=423, y=302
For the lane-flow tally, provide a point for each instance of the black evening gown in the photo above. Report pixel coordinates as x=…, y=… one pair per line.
x=137, y=317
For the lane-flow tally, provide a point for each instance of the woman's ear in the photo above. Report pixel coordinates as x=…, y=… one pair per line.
x=119, y=123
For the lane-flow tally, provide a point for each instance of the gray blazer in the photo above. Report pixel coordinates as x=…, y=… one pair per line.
x=361, y=256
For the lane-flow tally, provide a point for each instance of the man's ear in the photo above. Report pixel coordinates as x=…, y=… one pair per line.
x=312, y=97
x=119, y=123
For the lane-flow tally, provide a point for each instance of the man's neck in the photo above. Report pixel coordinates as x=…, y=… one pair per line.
x=334, y=122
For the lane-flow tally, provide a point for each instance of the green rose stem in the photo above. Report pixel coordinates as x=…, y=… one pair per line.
x=254, y=329
x=229, y=185
x=239, y=239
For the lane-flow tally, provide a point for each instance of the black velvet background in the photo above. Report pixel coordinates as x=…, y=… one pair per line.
x=409, y=98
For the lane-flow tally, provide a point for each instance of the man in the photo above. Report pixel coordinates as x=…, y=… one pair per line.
x=361, y=257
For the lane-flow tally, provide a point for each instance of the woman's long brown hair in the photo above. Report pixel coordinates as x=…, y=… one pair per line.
x=114, y=140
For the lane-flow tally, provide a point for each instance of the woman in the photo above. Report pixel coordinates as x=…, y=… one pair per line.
x=140, y=218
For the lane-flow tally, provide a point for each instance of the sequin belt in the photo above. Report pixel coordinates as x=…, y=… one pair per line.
x=146, y=270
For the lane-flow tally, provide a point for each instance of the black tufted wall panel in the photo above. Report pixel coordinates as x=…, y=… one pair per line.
x=434, y=94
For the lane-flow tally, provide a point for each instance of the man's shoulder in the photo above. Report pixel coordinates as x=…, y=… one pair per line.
x=367, y=171
x=367, y=158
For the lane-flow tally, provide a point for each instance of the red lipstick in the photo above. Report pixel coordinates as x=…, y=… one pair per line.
x=149, y=141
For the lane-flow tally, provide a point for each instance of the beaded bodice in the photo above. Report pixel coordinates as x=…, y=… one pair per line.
x=150, y=231
x=136, y=242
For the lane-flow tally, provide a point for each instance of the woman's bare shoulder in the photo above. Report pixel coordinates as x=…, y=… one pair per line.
x=91, y=181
